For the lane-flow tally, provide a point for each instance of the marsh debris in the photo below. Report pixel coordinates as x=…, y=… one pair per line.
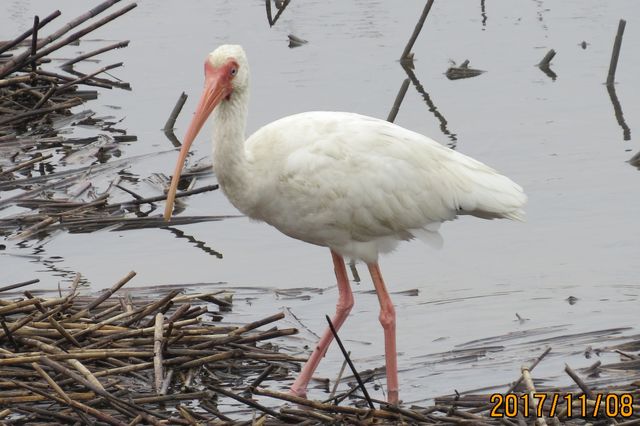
x=462, y=71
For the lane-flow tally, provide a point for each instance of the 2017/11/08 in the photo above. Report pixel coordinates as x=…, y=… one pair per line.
x=611, y=405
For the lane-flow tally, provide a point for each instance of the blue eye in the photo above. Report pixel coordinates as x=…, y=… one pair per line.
x=234, y=71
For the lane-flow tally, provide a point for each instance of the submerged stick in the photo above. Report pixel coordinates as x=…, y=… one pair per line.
x=348, y=359
x=615, y=55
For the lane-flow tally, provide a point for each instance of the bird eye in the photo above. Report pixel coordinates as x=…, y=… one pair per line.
x=234, y=71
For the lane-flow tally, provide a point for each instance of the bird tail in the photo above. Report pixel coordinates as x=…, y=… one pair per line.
x=490, y=195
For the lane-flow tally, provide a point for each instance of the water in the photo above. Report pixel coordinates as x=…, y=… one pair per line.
x=558, y=138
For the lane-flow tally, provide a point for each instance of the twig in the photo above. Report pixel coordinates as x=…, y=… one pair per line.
x=533, y=365
x=579, y=382
x=89, y=76
x=416, y=31
x=87, y=55
x=348, y=359
x=399, y=98
x=18, y=61
x=546, y=61
x=171, y=121
x=337, y=381
x=158, y=339
x=611, y=75
x=23, y=36
x=10, y=67
x=18, y=285
x=528, y=382
x=104, y=296
x=34, y=41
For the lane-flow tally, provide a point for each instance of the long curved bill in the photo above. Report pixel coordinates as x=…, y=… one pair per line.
x=214, y=91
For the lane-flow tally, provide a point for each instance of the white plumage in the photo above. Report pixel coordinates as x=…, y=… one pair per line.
x=359, y=185
x=355, y=184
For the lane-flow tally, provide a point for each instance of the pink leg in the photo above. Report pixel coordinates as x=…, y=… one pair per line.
x=388, y=321
x=345, y=303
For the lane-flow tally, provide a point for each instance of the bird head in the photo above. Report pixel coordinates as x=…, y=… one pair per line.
x=226, y=72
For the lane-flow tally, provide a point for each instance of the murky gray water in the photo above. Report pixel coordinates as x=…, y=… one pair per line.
x=559, y=139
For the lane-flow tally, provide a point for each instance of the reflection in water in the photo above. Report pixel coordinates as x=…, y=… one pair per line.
x=432, y=107
x=199, y=244
x=281, y=5
x=52, y=264
x=635, y=160
x=617, y=109
x=483, y=13
x=549, y=72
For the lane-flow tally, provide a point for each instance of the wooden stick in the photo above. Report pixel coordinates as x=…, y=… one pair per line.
x=18, y=285
x=348, y=359
x=615, y=55
x=28, y=114
x=171, y=121
x=73, y=402
x=545, y=62
x=88, y=76
x=104, y=296
x=579, y=382
x=18, y=61
x=87, y=55
x=26, y=164
x=398, y=101
x=528, y=382
x=533, y=365
x=416, y=31
x=23, y=36
x=158, y=341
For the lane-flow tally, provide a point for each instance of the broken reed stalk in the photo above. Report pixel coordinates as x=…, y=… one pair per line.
x=416, y=31
x=11, y=44
x=12, y=66
x=93, y=53
x=18, y=285
x=34, y=41
x=158, y=341
x=398, y=101
x=89, y=76
x=615, y=55
x=337, y=381
x=533, y=365
x=546, y=61
x=528, y=382
x=171, y=121
x=348, y=359
x=19, y=61
x=104, y=296
x=581, y=384
x=26, y=163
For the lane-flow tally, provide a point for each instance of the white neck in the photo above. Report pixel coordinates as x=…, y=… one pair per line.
x=229, y=160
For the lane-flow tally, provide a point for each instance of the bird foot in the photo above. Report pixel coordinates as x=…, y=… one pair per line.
x=299, y=392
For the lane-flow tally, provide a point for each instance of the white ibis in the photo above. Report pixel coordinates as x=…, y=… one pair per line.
x=355, y=184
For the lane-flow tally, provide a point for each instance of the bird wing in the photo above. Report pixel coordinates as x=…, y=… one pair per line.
x=337, y=175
